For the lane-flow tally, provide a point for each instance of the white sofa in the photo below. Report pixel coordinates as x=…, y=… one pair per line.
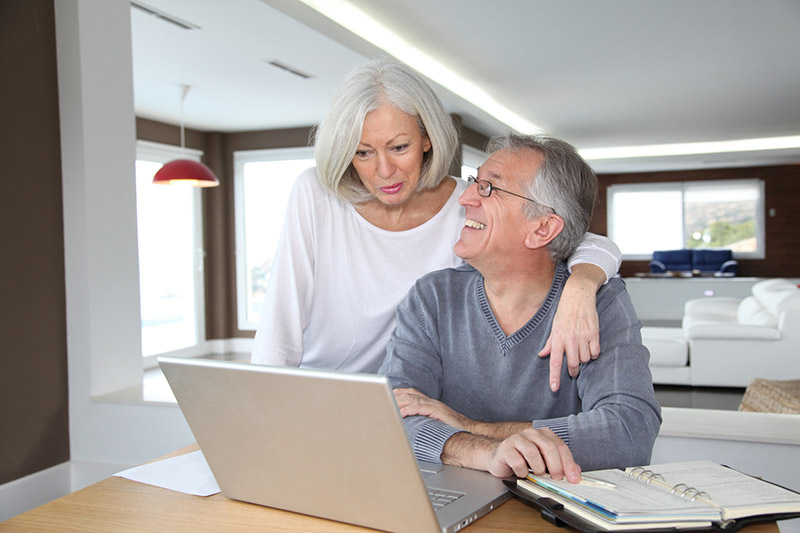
x=727, y=342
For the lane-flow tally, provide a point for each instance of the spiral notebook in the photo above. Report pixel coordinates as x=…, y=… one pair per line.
x=690, y=495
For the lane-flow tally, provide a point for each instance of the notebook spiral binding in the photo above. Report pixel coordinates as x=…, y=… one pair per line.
x=643, y=474
x=681, y=489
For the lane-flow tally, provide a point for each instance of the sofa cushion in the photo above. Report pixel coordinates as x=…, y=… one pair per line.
x=691, y=321
x=667, y=346
x=710, y=260
x=674, y=259
x=713, y=306
x=752, y=312
x=732, y=332
x=777, y=295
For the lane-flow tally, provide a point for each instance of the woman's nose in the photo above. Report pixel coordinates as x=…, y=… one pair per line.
x=386, y=166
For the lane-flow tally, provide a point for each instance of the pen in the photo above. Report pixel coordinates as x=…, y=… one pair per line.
x=592, y=482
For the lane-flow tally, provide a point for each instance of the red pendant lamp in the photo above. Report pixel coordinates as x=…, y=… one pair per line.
x=185, y=171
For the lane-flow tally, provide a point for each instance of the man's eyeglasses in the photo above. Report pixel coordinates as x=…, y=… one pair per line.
x=485, y=189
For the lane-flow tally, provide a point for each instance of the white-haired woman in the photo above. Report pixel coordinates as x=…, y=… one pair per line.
x=378, y=212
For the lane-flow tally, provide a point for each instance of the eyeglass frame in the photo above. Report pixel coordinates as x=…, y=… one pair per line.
x=490, y=187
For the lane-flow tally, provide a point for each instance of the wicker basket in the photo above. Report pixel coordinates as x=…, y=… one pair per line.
x=770, y=396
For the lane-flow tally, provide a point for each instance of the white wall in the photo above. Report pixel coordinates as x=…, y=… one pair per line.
x=98, y=136
x=663, y=298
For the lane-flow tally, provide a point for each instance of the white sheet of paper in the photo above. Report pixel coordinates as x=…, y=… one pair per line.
x=188, y=473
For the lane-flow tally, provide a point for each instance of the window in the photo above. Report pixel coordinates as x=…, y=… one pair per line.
x=471, y=159
x=701, y=214
x=170, y=256
x=263, y=180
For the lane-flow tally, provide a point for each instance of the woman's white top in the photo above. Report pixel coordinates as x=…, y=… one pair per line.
x=337, y=280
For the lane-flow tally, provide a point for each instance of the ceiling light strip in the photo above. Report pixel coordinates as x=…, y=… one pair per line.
x=712, y=147
x=353, y=19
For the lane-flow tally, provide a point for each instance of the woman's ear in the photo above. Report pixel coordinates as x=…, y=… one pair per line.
x=543, y=230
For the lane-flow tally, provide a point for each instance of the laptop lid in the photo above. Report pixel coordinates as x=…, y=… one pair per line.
x=321, y=443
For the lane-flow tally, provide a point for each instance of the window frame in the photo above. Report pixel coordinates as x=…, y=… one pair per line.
x=240, y=158
x=683, y=186
x=162, y=153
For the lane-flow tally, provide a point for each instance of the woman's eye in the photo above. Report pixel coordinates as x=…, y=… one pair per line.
x=362, y=154
x=400, y=148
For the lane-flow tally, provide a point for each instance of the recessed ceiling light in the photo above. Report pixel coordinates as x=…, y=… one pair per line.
x=166, y=17
x=291, y=70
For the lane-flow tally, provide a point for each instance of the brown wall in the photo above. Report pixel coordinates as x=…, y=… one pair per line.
x=34, y=423
x=782, y=233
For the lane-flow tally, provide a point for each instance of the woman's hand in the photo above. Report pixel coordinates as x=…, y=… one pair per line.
x=412, y=402
x=576, y=330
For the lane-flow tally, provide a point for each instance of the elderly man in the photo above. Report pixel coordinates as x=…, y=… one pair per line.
x=463, y=358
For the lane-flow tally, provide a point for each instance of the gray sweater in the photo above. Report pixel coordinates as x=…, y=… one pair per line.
x=448, y=345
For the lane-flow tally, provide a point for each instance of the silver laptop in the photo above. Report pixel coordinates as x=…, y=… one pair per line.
x=321, y=443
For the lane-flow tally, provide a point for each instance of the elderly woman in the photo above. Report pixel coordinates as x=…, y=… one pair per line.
x=377, y=213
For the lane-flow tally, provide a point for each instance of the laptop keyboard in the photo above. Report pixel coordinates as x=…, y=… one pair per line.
x=441, y=497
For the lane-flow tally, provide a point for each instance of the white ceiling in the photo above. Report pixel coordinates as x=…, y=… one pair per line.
x=598, y=74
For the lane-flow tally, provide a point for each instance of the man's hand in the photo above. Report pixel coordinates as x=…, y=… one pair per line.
x=575, y=331
x=536, y=450
x=412, y=402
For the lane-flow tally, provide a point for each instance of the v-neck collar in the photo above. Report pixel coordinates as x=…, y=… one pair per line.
x=506, y=343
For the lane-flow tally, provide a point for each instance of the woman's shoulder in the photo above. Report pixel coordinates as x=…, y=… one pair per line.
x=308, y=188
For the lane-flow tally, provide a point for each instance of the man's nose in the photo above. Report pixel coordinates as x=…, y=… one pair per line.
x=470, y=196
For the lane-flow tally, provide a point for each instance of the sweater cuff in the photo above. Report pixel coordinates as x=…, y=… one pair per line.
x=559, y=426
x=430, y=439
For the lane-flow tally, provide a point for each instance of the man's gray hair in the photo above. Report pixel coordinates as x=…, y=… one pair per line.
x=365, y=89
x=564, y=182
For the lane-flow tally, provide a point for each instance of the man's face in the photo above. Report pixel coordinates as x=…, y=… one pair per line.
x=495, y=226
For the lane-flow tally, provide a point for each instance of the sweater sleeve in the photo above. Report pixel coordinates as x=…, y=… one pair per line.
x=620, y=417
x=413, y=361
x=287, y=304
x=599, y=251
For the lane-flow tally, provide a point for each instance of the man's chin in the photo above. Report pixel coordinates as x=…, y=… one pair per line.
x=462, y=251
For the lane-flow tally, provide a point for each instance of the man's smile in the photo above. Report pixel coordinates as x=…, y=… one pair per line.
x=474, y=224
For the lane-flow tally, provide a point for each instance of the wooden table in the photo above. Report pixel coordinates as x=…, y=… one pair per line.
x=117, y=504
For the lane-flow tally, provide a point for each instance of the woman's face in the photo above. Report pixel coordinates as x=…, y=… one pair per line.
x=389, y=155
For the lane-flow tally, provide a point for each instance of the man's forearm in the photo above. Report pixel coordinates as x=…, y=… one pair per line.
x=467, y=450
x=497, y=430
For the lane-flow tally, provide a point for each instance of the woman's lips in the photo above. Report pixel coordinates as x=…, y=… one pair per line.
x=392, y=189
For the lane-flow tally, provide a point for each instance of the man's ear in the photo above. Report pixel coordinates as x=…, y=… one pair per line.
x=543, y=230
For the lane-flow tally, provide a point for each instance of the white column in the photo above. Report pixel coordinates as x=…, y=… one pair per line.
x=98, y=150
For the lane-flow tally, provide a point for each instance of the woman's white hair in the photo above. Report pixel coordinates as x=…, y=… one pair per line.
x=365, y=89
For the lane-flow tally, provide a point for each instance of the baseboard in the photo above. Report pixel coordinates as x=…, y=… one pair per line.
x=42, y=487
x=31, y=491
